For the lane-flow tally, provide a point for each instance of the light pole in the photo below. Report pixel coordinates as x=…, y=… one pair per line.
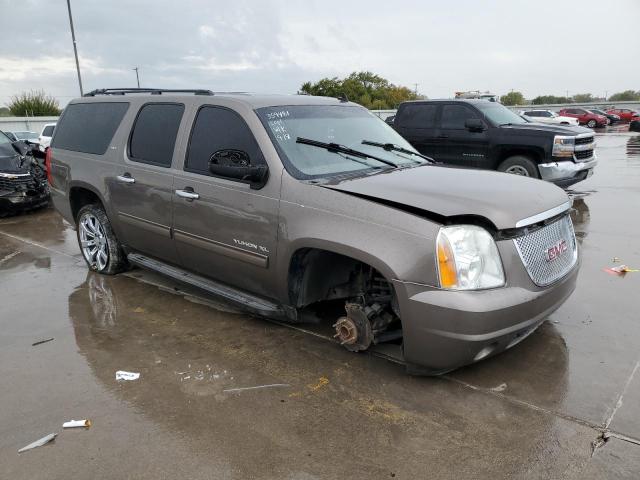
x=137, y=77
x=75, y=48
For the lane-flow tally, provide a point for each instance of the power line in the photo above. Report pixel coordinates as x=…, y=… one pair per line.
x=75, y=48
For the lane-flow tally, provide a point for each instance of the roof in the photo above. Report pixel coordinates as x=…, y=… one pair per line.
x=252, y=100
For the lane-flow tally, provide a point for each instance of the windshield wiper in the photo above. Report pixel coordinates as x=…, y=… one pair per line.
x=337, y=148
x=390, y=147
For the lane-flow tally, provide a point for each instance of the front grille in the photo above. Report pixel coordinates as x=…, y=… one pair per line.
x=583, y=140
x=583, y=154
x=542, y=253
x=7, y=183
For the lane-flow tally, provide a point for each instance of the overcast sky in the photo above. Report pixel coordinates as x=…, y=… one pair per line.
x=535, y=46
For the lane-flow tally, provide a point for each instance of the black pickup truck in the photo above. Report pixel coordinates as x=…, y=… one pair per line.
x=482, y=134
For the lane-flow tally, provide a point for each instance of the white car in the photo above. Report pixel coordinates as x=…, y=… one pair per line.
x=45, y=136
x=547, y=116
x=23, y=135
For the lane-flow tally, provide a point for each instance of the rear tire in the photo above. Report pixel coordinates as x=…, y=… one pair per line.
x=98, y=244
x=520, y=165
x=592, y=123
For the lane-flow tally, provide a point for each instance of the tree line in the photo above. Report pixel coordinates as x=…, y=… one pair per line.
x=517, y=98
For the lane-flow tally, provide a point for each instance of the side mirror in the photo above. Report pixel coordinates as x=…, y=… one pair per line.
x=474, y=125
x=236, y=165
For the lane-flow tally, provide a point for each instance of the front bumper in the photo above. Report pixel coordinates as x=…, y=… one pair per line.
x=444, y=330
x=567, y=172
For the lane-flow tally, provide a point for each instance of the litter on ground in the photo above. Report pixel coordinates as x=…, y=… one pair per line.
x=40, y=342
x=242, y=389
x=77, y=423
x=122, y=375
x=620, y=270
x=39, y=443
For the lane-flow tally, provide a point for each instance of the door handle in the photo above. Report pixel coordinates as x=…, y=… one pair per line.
x=126, y=178
x=187, y=194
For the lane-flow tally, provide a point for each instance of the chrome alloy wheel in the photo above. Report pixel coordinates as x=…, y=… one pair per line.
x=93, y=242
x=517, y=170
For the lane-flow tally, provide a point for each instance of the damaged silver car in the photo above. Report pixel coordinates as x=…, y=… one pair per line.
x=301, y=208
x=23, y=182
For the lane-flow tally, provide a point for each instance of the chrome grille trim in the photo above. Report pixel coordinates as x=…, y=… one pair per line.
x=552, y=212
x=533, y=249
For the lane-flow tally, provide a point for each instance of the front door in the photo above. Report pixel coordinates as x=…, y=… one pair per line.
x=142, y=190
x=224, y=229
x=456, y=145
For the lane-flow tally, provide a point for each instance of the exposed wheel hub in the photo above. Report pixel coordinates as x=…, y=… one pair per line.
x=354, y=331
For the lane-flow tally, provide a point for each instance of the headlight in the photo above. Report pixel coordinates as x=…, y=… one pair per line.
x=563, y=146
x=468, y=259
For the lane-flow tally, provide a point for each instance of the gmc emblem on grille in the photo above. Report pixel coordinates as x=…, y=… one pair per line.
x=554, y=251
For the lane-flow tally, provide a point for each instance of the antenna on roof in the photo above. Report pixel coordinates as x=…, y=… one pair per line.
x=343, y=97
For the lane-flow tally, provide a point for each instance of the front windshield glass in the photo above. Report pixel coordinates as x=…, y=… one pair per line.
x=499, y=114
x=24, y=135
x=4, y=139
x=344, y=125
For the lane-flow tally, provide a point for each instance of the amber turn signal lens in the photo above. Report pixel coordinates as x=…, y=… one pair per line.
x=446, y=264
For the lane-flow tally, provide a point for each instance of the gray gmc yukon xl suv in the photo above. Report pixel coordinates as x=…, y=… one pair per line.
x=286, y=204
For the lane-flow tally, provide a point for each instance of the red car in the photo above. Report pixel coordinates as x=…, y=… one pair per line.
x=625, y=114
x=585, y=117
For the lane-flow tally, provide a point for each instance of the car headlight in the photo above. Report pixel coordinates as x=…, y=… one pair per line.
x=468, y=259
x=563, y=146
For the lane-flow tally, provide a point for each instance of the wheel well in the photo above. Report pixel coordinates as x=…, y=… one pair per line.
x=316, y=275
x=79, y=197
x=536, y=156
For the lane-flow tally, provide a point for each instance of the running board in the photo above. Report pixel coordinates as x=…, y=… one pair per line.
x=243, y=300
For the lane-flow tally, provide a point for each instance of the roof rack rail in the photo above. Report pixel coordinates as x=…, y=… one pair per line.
x=152, y=91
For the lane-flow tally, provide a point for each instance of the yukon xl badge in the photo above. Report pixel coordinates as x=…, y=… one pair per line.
x=554, y=251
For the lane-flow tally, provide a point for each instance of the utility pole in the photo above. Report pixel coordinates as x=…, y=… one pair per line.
x=415, y=90
x=75, y=48
x=137, y=77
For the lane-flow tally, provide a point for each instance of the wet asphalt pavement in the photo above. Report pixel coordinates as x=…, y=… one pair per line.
x=535, y=411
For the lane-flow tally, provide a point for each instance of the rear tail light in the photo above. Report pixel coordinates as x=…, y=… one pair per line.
x=47, y=165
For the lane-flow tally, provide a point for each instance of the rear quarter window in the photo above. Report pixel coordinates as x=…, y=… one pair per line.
x=48, y=131
x=417, y=116
x=89, y=127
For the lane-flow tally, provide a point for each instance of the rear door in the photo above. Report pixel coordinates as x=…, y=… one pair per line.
x=142, y=189
x=223, y=229
x=416, y=122
x=455, y=144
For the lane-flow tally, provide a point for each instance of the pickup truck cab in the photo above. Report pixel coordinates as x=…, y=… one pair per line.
x=283, y=204
x=487, y=135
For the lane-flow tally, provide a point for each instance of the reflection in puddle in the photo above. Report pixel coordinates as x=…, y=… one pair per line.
x=633, y=146
x=581, y=217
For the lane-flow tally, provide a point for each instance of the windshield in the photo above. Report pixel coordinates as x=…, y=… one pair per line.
x=4, y=139
x=597, y=112
x=499, y=114
x=25, y=135
x=345, y=125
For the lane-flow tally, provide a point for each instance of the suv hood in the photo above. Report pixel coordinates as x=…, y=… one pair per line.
x=548, y=127
x=500, y=198
x=10, y=160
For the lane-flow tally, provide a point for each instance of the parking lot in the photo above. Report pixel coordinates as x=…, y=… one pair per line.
x=565, y=403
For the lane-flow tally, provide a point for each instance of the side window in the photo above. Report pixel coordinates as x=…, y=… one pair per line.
x=454, y=116
x=546, y=114
x=220, y=135
x=48, y=131
x=418, y=116
x=88, y=127
x=154, y=133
